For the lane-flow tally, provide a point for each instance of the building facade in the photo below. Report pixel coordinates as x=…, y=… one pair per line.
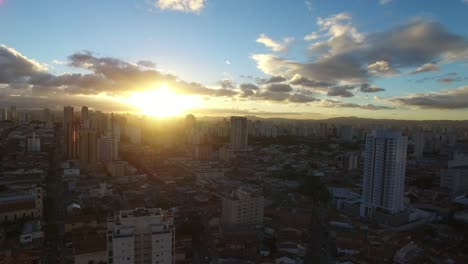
x=88, y=146
x=141, y=236
x=242, y=208
x=384, y=172
x=239, y=132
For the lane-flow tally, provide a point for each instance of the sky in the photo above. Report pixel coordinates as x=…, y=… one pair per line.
x=398, y=59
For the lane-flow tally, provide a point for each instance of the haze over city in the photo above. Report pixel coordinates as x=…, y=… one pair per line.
x=233, y=132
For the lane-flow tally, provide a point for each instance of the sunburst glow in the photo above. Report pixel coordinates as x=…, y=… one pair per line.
x=163, y=102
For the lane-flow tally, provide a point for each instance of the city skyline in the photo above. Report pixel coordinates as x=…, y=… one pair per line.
x=370, y=59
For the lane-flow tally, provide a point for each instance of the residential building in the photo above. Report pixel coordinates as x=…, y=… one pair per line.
x=141, y=236
x=384, y=172
x=239, y=132
x=88, y=146
x=242, y=208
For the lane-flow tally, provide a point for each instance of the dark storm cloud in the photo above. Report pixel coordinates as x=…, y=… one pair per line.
x=367, y=88
x=446, y=99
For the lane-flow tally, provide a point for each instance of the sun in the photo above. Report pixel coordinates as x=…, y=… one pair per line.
x=162, y=102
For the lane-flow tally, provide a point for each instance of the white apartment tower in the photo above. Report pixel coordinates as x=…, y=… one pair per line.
x=384, y=172
x=141, y=236
x=242, y=208
x=239, y=132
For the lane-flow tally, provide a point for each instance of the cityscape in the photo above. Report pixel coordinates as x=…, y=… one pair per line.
x=269, y=131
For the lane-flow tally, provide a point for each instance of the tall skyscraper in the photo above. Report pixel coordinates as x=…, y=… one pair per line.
x=106, y=150
x=85, y=120
x=88, y=146
x=384, y=172
x=70, y=133
x=141, y=236
x=239, y=132
x=190, y=122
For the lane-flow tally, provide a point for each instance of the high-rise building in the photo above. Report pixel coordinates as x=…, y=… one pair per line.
x=106, y=149
x=88, y=146
x=242, y=208
x=70, y=130
x=141, y=236
x=190, y=123
x=12, y=114
x=350, y=161
x=34, y=143
x=85, y=120
x=239, y=133
x=347, y=133
x=48, y=118
x=418, y=141
x=455, y=176
x=323, y=130
x=384, y=172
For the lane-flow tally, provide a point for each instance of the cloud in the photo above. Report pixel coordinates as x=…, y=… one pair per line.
x=146, y=63
x=427, y=67
x=14, y=67
x=272, y=96
x=338, y=104
x=381, y=68
x=274, y=45
x=297, y=79
x=236, y=111
x=301, y=98
x=59, y=62
x=248, y=89
x=278, y=87
x=342, y=91
x=445, y=99
x=449, y=79
x=275, y=79
x=248, y=86
x=228, y=62
x=105, y=75
x=227, y=84
x=367, y=88
x=311, y=36
x=350, y=56
x=384, y=2
x=187, y=6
